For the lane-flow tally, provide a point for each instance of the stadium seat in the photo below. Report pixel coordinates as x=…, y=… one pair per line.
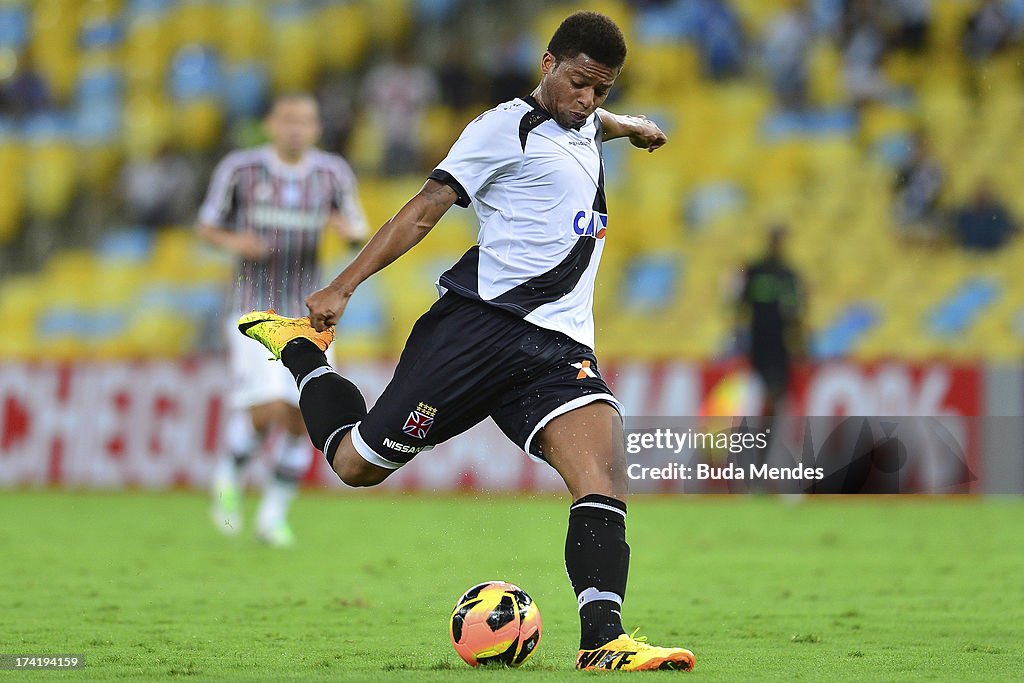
x=842, y=335
x=293, y=46
x=12, y=187
x=955, y=315
x=345, y=33
x=243, y=29
x=14, y=26
x=195, y=22
x=948, y=22
x=199, y=123
x=50, y=176
x=667, y=66
x=825, y=86
x=20, y=301
x=54, y=32
x=149, y=123
x=246, y=89
x=195, y=73
x=147, y=51
x=650, y=282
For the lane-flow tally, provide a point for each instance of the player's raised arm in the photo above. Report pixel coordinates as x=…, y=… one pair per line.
x=641, y=131
x=219, y=209
x=400, y=234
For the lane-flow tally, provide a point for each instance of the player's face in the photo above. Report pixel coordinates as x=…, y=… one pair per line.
x=572, y=89
x=294, y=126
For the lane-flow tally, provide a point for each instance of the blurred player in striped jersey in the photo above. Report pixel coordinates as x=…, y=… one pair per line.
x=269, y=206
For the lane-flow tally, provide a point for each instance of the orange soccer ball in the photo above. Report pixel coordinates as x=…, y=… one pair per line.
x=495, y=622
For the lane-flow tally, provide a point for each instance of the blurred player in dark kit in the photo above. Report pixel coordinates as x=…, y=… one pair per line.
x=770, y=311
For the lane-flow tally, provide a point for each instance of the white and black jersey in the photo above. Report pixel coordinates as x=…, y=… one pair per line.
x=287, y=206
x=538, y=191
x=512, y=336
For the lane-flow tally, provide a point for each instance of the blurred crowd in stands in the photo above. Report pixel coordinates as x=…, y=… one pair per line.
x=868, y=121
x=396, y=85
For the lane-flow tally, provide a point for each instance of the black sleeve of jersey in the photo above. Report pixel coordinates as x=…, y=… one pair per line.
x=448, y=179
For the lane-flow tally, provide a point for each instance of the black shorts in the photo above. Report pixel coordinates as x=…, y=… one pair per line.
x=466, y=360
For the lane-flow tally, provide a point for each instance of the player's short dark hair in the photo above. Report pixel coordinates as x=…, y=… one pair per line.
x=591, y=33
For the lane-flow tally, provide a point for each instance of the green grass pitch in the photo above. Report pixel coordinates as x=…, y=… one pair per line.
x=759, y=588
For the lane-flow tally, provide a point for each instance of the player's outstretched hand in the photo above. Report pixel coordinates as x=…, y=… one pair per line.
x=325, y=307
x=645, y=133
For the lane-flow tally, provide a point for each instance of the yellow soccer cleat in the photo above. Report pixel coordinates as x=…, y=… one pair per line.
x=274, y=331
x=630, y=653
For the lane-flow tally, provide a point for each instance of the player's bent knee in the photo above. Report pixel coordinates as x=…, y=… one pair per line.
x=354, y=471
x=359, y=476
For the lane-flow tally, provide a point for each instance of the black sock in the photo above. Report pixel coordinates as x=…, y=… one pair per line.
x=330, y=404
x=597, y=561
x=240, y=459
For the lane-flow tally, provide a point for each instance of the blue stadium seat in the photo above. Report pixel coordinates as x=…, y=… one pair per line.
x=956, y=314
x=14, y=21
x=246, y=88
x=195, y=73
x=841, y=336
x=148, y=8
x=709, y=201
x=134, y=244
x=651, y=282
x=97, y=123
x=46, y=127
x=100, y=33
x=99, y=84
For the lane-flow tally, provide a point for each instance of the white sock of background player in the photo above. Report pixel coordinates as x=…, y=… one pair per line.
x=293, y=456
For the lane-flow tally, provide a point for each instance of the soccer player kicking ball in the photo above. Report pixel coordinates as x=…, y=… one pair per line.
x=512, y=335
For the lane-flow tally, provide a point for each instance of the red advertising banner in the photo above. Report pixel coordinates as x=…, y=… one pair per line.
x=160, y=424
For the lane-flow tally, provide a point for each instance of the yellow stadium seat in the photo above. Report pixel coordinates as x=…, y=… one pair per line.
x=666, y=67
x=147, y=51
x=825, y=74
x=948, y=20
x=198, y=124
x=439, y=131
x=195, y=21
x=98, y=166
x=345, y=33
x=117, y=284
x=293, y=58
x=160, y=334
x=12, y=188
x=755, y=14
x=148, y=124
x=879, y=121
x=904, y=68
x=174, y=250
x=50, y=176
x=389, y=21
x=54, y=45
x=244, y=31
